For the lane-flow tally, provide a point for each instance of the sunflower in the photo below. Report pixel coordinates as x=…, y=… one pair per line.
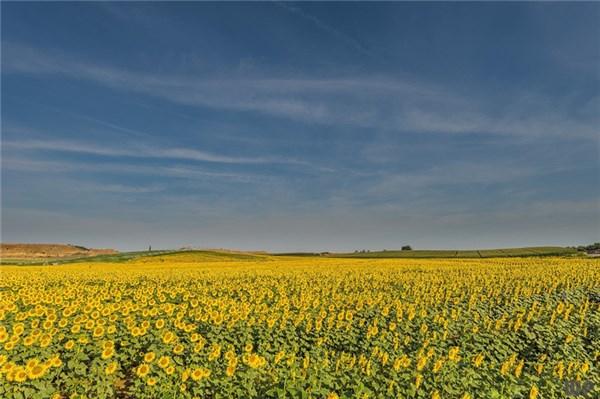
x=519, y=368
x=111, y=368
x=200, y=373
x=98, y=332
x=107, y=353
x=230, y=370
x=196, y=374
x=478, y=360
x=421, y=363
x=453, y=354
x=36, y=372
x=185, y=375
x=18, y=329
x=438, y=365
x=55, y=361
x=163, y=362
x=255, y=361
x=418, y=380
x=533, y=393
x=149, y=357
x=143, y=370
x=279, y=356
x=198, y=347
x=168, y=337
x=20, y=375
x=585, y=367
x=31, y=363
x=178, y=349
x=7, y=367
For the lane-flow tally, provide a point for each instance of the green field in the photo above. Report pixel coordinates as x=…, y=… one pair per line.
x=482, y=253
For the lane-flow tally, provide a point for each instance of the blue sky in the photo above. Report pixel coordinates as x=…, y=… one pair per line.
x=301, y=126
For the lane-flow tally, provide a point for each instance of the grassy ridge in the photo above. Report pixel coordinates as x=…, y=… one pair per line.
x=119, y=257
x=191, y=256
x=144, y=256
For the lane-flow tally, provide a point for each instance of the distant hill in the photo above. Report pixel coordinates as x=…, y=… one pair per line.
x=49, y=251
x=57, y=254
x=39, y=254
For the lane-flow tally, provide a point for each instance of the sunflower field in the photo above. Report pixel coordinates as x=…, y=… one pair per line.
x=188, y=326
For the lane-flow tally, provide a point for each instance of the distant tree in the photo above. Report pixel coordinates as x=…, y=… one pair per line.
x=406, y=248
x=593, y=247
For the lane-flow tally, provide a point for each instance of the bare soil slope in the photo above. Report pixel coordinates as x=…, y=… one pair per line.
x=37, y=251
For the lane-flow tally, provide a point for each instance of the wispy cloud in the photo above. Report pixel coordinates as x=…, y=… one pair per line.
x=461, y=173
x=186, y=172
x=429, y=186
x=119, y=188
x=130, y=151
x=375, y=102
x=347, y=39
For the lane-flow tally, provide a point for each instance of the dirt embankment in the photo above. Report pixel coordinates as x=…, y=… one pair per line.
x=36, y=251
